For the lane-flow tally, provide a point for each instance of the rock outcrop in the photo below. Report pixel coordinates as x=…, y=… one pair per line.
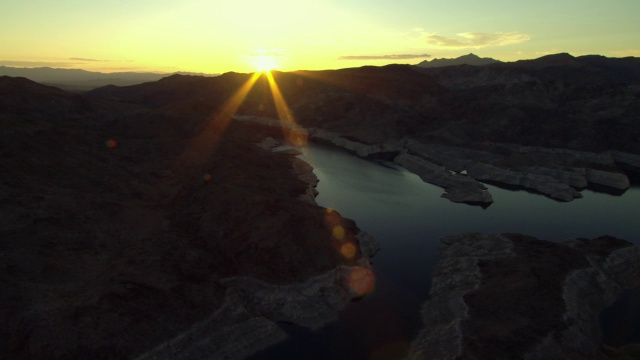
x=247, y=322
x=594, y=163
x=459, y=188
x=360, y=148
x=511, y=296
x=541, y=183
x=304, y=171
x=630, y=161
x=576, y=178
x=609, y=179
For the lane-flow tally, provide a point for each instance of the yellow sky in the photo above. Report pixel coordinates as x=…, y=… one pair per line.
x=221, y=36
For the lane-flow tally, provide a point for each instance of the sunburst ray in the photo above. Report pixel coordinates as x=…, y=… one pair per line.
x=292, y=132
x=205, y=143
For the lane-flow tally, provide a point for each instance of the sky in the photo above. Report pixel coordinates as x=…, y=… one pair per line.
x=244, y=35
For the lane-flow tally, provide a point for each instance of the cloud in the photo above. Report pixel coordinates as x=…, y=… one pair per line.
x=384, y=57
x=477, y=39
x=89, y=60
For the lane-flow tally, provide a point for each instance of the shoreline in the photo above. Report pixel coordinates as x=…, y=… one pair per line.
x=461, y=172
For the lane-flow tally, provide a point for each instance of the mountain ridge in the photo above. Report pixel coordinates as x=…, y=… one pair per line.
x=469, y=59
x=552, y=101
x=83, y=80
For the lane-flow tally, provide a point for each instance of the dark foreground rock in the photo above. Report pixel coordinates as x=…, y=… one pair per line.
x=135, y=232
x=511, y=296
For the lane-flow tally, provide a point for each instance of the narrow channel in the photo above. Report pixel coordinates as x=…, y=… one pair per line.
x=408, y=217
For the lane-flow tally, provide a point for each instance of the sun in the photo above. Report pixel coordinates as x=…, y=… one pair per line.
x=264, y=63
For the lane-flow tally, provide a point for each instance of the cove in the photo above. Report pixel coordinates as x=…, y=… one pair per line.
x=408, y=217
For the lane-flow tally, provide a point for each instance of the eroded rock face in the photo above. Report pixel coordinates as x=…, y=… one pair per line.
x=609, y=179
x=576, y=179
x=542, y=183
x=511, y=296
x=459, y=188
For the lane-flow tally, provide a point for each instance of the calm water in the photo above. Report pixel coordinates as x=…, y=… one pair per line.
x=408, y=217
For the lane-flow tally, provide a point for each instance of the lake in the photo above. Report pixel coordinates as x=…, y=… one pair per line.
x=407, y=217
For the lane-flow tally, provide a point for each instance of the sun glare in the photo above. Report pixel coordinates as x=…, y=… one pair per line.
x=265, y=63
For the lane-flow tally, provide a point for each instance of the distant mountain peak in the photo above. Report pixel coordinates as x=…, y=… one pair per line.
x=551, y=60
x=469, y=59
x=560, y=57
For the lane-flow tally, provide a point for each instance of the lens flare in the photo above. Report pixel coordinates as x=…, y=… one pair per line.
x=204, y=144
x=338, y=232
x=293, y=133
x=348, y=250
x=361, y=281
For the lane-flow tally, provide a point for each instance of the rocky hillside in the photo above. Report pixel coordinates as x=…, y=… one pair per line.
x=585, y=103
x=127, y=230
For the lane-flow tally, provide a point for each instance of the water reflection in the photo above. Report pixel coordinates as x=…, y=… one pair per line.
x=378, y=196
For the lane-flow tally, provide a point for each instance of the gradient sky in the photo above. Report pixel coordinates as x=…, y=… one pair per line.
x=220, y=36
